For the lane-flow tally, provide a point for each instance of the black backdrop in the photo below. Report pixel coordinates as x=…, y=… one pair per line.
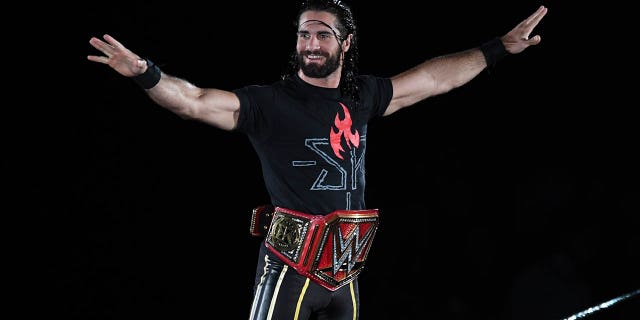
x=513, y=197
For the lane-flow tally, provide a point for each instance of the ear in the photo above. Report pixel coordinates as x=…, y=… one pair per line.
x=346, y=44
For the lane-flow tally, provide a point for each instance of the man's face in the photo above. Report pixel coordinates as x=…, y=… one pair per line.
x=319, y=51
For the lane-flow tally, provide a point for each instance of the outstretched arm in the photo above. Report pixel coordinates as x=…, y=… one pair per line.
x=444, y=73
x=216, y=107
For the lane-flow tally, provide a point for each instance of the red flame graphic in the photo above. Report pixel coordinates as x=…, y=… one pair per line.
x=343, y=129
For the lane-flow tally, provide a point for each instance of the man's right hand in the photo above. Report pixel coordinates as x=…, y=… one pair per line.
x=117, y=57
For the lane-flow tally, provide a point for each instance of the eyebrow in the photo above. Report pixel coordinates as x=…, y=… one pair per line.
x=335, y=33
x=319, y=32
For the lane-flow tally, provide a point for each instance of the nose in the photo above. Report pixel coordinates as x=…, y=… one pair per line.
x=313, y=43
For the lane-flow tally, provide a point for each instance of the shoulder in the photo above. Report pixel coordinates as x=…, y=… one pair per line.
x=373, y=83
x=264, y=89
x=375, y=93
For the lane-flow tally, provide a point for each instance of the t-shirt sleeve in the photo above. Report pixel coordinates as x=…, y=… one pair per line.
x=377, y=91
x=250, y=114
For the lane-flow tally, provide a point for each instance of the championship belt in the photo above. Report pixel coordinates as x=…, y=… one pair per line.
x=330, y=250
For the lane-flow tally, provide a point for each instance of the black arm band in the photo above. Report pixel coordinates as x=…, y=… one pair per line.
x=149, y=78
x=493, y=51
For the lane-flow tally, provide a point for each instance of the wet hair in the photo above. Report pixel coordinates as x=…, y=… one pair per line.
x=346, y=25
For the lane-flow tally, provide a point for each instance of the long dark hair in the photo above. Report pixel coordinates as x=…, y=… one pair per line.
x=346, y=25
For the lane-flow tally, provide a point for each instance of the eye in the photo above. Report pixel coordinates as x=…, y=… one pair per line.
x=304, y=35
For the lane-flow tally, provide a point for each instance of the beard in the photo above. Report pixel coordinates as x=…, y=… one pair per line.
x=316, y=70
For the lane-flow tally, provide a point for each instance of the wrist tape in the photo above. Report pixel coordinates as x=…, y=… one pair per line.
x=493, y=51
x=149, y=78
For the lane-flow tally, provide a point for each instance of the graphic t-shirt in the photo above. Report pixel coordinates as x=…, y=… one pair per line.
x=310, y=141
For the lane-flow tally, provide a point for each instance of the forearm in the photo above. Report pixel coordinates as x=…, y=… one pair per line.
x=452, y=71
x=213, y=106
x=172, y=93
x=216, y=107
x=435, y=76
x=177, y=95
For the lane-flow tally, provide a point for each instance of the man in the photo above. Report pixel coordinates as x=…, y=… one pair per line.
x=309, y=131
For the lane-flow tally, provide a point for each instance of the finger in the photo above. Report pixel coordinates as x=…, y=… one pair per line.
x=96, y=43
x=100, y=59
x=534, y=40
x=112, y=41
x=527, y=26
x=101, y=45
x=535, y=18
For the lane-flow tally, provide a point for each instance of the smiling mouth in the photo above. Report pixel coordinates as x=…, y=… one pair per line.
x=314, y=57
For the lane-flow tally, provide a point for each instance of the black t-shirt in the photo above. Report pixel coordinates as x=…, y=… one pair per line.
x=310, y=142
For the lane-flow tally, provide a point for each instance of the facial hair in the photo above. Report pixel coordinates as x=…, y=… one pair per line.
x=315, y=70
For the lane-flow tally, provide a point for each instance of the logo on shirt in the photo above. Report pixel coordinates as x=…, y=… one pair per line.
x=342, y=128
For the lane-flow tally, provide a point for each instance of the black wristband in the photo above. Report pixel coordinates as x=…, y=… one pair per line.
x=149, y=78
x=493, y=51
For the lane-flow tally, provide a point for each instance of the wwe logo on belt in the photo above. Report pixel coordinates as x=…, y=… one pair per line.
x=344, y=247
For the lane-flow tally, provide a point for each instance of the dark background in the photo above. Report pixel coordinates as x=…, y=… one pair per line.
x=513, y=197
